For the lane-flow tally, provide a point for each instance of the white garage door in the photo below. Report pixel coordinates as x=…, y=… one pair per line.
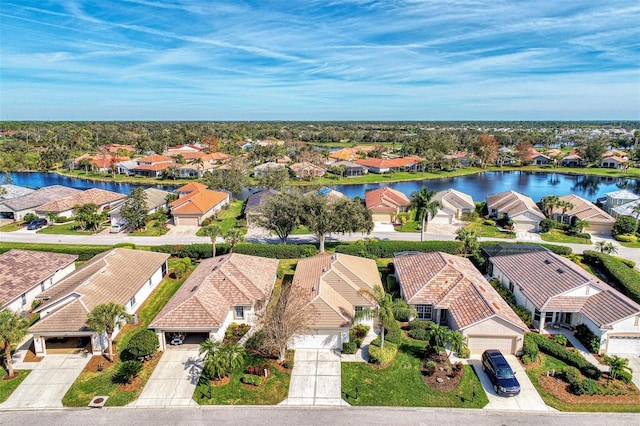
x=525, y=226
x=381, y=217
x=479, y=344
x=624, y=345
x=187, y=221
x=317, y=341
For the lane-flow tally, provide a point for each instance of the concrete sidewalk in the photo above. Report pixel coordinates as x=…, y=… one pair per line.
x=578, y=345
x=315, y=379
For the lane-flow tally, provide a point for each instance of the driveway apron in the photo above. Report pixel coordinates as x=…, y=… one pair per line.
x=48, y=382
x=173, y=381
x=315, y=378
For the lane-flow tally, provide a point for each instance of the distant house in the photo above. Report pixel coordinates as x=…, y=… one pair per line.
x=540, y=159
x=381, y=165
x=386, y=202
x=220, y=291
x=216, y=157
x=116, y=147
x=330, y=194
x=558, y=292
x=27, y=273
x=63, y=207
x=10, y=191
x=16, y=208
x=618, y=198
x=332, y=285
x=600, y=222
x=351, y=169
x=517, y=207
x=184, y=155
x=126, y=167
x=105, y=163
x=307, y=170
x=454, y=205
x=627, y=209
x=262, y=169
x=613, y=162
x=156, y=199
x=574, y=160
x=193, y=170
x=123, y=276
x=152, y=165
x=449, y=290
x=344, y=154
x=196, y=204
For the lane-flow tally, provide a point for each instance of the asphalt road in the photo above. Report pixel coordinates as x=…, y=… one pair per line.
x=308, y=416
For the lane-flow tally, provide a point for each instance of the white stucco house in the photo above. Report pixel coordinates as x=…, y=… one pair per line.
x=517, y=207
x=454, y=205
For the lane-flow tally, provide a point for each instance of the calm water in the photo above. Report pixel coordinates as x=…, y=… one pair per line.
x=534, y=184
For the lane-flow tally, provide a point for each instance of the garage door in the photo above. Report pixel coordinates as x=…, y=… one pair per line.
x=381, y=217
x=525, y=226
x=187, y=221
x=317, y=341
x=479, y=344
x=624, y=345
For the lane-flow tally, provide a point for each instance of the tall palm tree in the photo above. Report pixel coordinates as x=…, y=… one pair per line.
x=383, y=311
x=549, y=203
x=105, y=318
x=469, y=239
x=12, y=329
x=233, y=236
x=421, y=201
x=221, y=358
x=213, y=232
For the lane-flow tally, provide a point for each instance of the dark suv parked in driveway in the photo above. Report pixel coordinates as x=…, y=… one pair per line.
x=37, y=224
x=501, y=375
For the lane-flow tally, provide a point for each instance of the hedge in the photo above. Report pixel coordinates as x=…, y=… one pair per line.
x=84, y=253
x=385, y=249
x=557, y=249
x=349, y=348
x=552, y=348
x=382, y=356
x=587, y=338
x=626, y=279
x=201, y=251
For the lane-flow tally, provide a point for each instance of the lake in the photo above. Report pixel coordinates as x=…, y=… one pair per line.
x=534, y=184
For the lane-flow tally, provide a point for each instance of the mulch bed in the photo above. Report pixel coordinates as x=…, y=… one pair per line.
x=279, y=367
x=130, y=387
x=30, y=356
x=448, y=380
x=559, y=389
x=94, y=362
x=220, y=382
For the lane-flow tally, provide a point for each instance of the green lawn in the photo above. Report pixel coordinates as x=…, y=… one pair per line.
x=154, y=228
x=401, y=384
x=227, y=218
x=488, y=230
x=13, y=226
x=559, y=236
x=549, y=363
x=410, y=226
x=8, y=386
x=301, y=230
x=66, y=229
x=90, y=384
x=274, y=391
x=630, y=245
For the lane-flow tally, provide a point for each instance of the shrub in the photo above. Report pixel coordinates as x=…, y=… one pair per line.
x=489, y=222
x=394, y=333
x=585, y=235
x=625, y=376
x=523, y=313
x=571, y=375
x=385, y=249
x=530, y=351
x=560, y=339
x=288, y=363
x=382, y=356
x=421, y=324
x=349, y=348
x=626, y=238
x=255, y=342
x=550, y=347
x=143, y=344
x=179, y=269
x=624, y=278
x=587, y=338
x=127, y=371
x=630, y=263
x=251, y=379
x=29, y=217
x=419, y=334
x=624, y=225
x=548, y=224
x=430, y=368
x=585, y=387
x=464, y=353
x=125, y=245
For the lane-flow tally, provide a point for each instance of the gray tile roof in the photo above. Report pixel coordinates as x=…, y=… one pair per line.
x=40, y=197
x=14, y=191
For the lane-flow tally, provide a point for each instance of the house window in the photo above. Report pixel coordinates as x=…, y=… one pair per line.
x=164, y=269
x=24, y=299
x=150, y=283
x=42, y=286
x=536, y=315
x=358, y=309
x=548, y=317
x=132, y=302
x=511, y=287
x=637, y=322
x=239, y=311
x=425, y=312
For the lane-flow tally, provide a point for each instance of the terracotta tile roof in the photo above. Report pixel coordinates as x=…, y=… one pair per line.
x=39, y=197
x=191, y=187
x=386, y=200
x=155, y=158
x=331, y=283
x=114, y=276
x=187, y=155
x=546, y=279
x=216, y=156
x=344, y=154
x=154, y=167
x=453, y=283
x=20, y=270
x=584, y=210
x=381, y=163
x=97, y=196
x=216, y=285
x=198, y=201
x=114, y=147
x=103, y=161
x=513, y=203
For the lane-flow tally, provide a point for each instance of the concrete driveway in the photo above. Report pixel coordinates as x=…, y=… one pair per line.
x=316, y=378
x=528, y=400
x=48, y=382
x=634, y=364
x=173, y=381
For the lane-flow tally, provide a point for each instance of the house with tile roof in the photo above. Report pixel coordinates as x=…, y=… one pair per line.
x=152, y=165
x=574, y=160
x=600, y=222
x=27, y=273
x=262, y=169
x=560, y=293
x=613, y=162
x=220, y=291
x=331, y=285
x=454, y=205
x=385, y=202
x=307, y=170
x=196, y=203
x=123, y=276
x=156, y=200
x=13, y=191
x=345, y=154
x=381, y=165
x=449, y=290
x=63, y=207
x=348, y=169
x=16, y=208
x=618, y=198
x=517, y=207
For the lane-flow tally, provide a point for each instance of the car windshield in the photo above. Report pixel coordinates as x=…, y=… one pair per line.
x=504, y=373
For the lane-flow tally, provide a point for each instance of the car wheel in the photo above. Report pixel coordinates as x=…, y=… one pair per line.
x=495, y=388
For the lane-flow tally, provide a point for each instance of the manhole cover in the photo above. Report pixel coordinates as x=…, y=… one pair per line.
x=98, y=401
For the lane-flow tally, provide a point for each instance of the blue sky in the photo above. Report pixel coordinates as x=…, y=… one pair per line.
x=319, y=60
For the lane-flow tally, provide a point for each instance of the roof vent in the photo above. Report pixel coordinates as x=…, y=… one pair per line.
x=324, y=269
x=195, y=287
x=547, y=261
x=481, y=288
x=495, y=305
x=313, y=288
x=560, y=270
x=214, y=268
x=333, y=256
x=451, y=261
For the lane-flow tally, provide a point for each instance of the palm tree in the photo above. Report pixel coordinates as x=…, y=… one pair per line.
x=549, y=203
x=12, y=329
x=213, y=232
x=469, y=239
x=421, y=201
x=564, y=206
x=579, y=225
x=51, y=217
x=221, y=358
x=457, y=342
x=439, y=335
x=383, y=311
x=617, y=365
x=233, y=236
x=606, y=247
x=105, y=318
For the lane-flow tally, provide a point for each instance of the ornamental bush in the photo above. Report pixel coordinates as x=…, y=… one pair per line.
x=385, y=249
x=560, y=339
x=382, y=356
x=585, y=387
x=349, y=348
x=550, y=347
x=624, y=225
x=251, y=379
x=143, y=344
x=530, y=351
x=394, y=333
x=626, y=238
x=127, y=371
x=587, y=338
x=548, y=224
x=571, y=375
x=419, y=334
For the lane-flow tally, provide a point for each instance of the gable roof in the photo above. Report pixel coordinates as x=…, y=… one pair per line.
x=385, y=200
x=14, y=191
x=96, y=196
x=627, y=208
x=23, y=269
x=454, y=199
x=154, y=158
x=453, y=283
x=584, y=210
x=40, y=197
x=513, y=203
x=258, y=198
x=331, y=283
x=113, y=276
x=381, y=163
x=217, y=284
x=623, y=194
x=198, y=202
x=545, y=278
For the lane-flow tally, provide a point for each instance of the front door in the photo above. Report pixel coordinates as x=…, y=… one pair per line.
x=565, y=318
